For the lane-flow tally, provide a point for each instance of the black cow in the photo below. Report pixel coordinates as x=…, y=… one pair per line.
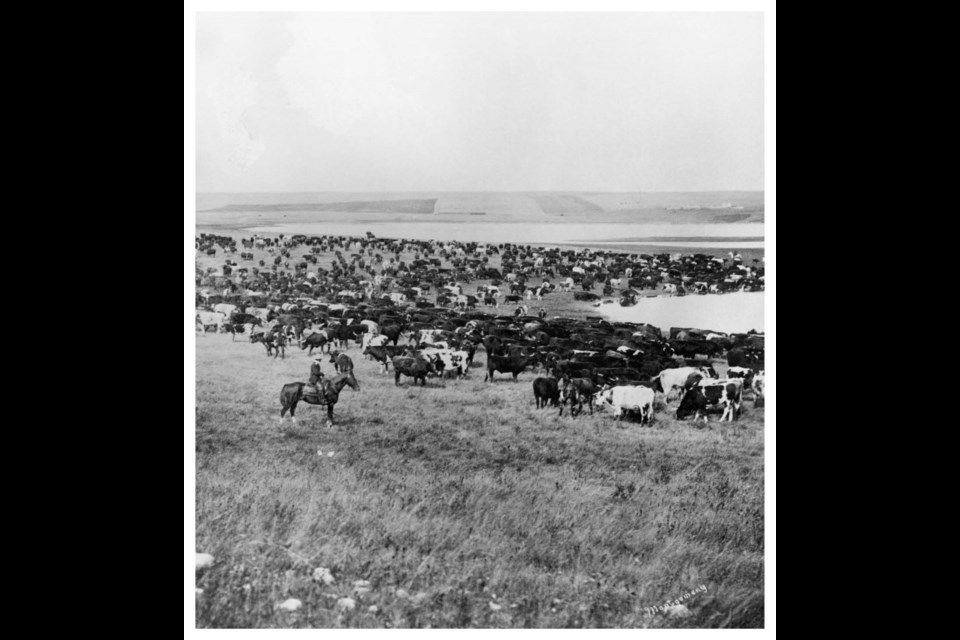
x=341, y=362
x=275, y=342
x=238, y=317
x=575, y=391
x=342, y=334
x=392, y=332
x=493, y=345
x=545, y=389
x=618, y=375
x=416, y=368
x=384, y=354
x=507, y=364
x=690, y=348
x=315, y=340
x=297, y=323
x=568, y=368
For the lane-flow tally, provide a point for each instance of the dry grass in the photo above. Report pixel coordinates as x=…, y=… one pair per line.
x=466, y=494
x=465, y=506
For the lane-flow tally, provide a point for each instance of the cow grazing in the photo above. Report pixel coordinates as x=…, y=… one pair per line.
x=629, y=398
x=416, y=368
x=726, y=393
x=575, y=391
x=544, y=390
x=507, y=364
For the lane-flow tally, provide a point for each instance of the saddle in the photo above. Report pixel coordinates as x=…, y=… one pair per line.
x=310, y=391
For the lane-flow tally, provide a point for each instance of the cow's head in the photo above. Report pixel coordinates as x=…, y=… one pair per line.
x=691, y=402
x=604, y=395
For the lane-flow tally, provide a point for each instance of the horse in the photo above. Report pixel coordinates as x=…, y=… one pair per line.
x=292, y=393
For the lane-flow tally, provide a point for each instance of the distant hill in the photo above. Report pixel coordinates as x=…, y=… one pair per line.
x=361, y=206
x=691, y=207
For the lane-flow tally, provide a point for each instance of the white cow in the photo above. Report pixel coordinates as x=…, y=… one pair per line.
x=566, y=285
x=741, y=372
x=428, y=336
x=627, y=398
x=671, y=379
x=207, y=318
x=446, y=360
x=372, y=340
x=758, y=384
x=373, y=328
x=225, y=309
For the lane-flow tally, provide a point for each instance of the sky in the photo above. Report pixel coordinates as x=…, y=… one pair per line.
x=479, y=102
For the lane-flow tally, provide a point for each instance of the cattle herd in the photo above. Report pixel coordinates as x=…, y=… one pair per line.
x=419, y=318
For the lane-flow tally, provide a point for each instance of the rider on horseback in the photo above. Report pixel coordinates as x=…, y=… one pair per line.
x=312, y=388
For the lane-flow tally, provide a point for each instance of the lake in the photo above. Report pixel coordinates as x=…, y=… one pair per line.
x=729, y=312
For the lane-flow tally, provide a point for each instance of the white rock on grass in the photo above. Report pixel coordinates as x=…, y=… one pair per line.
x=495, y=607
x=290, y=605
x=373, y=608
x=322, y=574
x=361, y=587
x=346, y=604
x=204, y=560
x=199, y=592
x=679, y=611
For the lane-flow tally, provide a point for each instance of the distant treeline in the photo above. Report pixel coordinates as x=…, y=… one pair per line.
x=375, y=206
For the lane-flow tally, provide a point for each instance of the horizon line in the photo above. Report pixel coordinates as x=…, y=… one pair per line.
x=493, y=191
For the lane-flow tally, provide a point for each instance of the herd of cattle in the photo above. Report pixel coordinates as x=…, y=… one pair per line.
x=371, y=299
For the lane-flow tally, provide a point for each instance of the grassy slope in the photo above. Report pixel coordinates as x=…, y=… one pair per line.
x=463, y=494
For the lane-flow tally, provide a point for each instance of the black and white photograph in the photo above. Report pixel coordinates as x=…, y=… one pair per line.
x=476, y=313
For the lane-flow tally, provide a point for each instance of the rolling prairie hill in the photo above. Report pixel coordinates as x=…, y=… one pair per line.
x=653, y=208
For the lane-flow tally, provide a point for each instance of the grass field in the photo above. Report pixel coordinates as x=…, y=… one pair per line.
x=463, y=494
x=463, y=505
